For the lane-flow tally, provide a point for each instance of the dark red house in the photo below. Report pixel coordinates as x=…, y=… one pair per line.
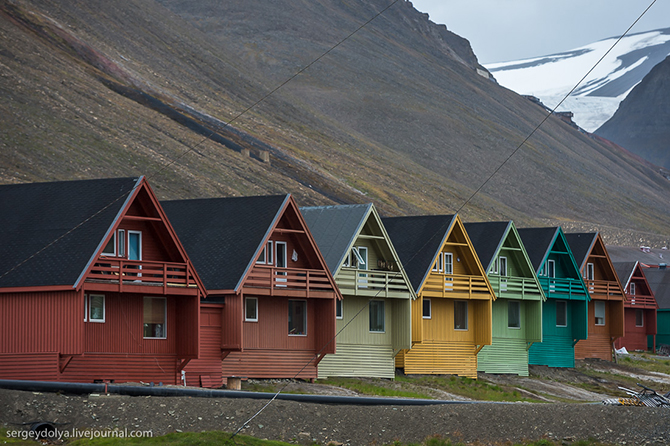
x=640, y=307
x=270, y=310
x=94, y=284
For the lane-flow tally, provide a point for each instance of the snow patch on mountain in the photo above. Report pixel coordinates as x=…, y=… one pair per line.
x=594, y=101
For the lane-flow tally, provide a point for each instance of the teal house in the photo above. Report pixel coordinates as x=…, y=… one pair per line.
x=517, y=310
x=565, y=312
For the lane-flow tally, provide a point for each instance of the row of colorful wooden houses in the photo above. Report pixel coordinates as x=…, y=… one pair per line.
x=101, y=282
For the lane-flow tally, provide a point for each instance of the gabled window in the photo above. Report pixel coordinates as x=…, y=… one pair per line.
x=448, y=263
x=503, y=266
x=297, y=317
x=122, y=243
x=96, y=308
x=251, y=309
x=361, y=254
x=427, y=309
x=561, y=313
x=599, y=312
x=494, y=267
x=631, y=288
x=590, y=272
x=513, y=314
x=551, y=268
x=155, y=315
x=282, y=261
x=110, y=248
x=338, y=309
x=460, y=315
x=376, y=308
x=639, y=318
x=265, y=257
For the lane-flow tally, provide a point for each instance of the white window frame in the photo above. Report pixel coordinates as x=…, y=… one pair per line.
x=631, y=288
x=85, y=307
x=501, y=261
x=104, y=310
x=121, y=243
x=430, y=309
x=450, y=262
x=590, y=271
x=339, y=311
x=467, y=314
x=517, y=304
x=246, y=315
x=111, y=242
x=565, y=312
x=551, y=269
x=639, y=311
x=383, y=330
x=304, y=316
x=265, y=257
x=599, y=305
x=139, y=233
x=494, y=267
x=164, y=319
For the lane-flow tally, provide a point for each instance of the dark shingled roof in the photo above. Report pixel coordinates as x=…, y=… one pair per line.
x=624, y=270
x=334, y=229
x=659, y=281
x=537, y=242
x=580, y=245
x=36, y=248
x=223, y=235
x=487, y=238
x=417, y=241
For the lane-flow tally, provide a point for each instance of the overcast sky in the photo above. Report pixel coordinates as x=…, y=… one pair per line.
x=503, y=30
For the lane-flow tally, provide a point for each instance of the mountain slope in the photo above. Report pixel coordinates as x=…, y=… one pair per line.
x=642, y=122
x=396, y=115
x=551, y=77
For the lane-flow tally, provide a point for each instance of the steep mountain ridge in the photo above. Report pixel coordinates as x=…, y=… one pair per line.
x=396, y=115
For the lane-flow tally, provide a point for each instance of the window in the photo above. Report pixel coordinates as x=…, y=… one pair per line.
x=427, y=309
x=503, y=266
x=599, y=312
x=338, y=309
x=251, y=309
x=590, y=274
x=494, y=268
x=639, y=318
x=110, y=248
x=134, y=245
x=551, y=268
x=513, y=314
x=376, y=316
x=362, y=257
x=85, y=307
x=561, y=313
x=631, y=288
x=96, y=308
x=460, y=315
x=266, y=254
x=448, y=263
x=155, y=309
x=122, y=243
x=297, y=317
x=281, y=263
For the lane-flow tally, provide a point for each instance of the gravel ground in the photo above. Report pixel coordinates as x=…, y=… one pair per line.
x=348, y=424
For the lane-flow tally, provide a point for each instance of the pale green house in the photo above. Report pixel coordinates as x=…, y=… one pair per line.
x=517, y=310
x=374, y=315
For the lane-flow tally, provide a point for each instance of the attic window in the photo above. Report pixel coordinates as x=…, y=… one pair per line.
x=631, y=289
x=503, y=266
x=265, y=256
x=110, y=248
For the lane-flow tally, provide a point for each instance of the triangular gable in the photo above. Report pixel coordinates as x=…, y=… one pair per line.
x=633, y=271
x=52, y=230
x=142, y=205
x=591, y=249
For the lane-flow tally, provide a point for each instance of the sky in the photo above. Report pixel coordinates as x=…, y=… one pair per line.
x=504, y=30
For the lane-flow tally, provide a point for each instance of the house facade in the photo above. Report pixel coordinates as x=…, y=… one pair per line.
x=95, y=286
x=374, y=316
x=517, y=310
x=606, y=305
x=451, y=317
x=639, y=309
x=271, y=297
x=565, y=312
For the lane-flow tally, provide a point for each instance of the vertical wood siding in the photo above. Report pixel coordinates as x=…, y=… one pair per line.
x=442, y=358
x=271, y=330
x=41, y=322
x=355, y=360
x=263, y=363
x=358, y=330
x=505, y=355
x=208, y=364
x=231, y=325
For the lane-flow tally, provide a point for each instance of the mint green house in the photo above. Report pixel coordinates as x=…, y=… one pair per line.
x=374, y=315
x=565, y=312
x=517, y=310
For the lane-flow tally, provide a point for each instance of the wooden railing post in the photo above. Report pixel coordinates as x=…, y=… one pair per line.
x=164, y=278
x=121, y=274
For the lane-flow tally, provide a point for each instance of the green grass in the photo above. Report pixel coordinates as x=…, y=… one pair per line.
x=4, y=439
x=370, y=388
x=646, y=362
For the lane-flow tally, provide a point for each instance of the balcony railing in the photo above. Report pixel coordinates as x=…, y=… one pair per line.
x=604, y=288
x=372, y=283
x=517, y=287
x=279, y=280
x=568, y=288
x=453, y=285
x=640, y=301
x=140, y=272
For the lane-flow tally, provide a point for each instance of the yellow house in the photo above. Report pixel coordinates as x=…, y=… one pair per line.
x=451, y=318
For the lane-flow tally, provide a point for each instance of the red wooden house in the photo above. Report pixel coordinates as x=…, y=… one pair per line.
x=274, y=315
x=94, y=284
x=639, y=309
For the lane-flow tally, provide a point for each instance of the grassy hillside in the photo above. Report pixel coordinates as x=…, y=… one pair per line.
x=396, y=115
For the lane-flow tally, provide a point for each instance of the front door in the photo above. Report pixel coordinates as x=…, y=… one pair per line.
x=134, y=249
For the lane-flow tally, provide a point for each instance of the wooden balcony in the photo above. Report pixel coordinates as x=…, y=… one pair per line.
x=371, y=283
x=515, y=287
x=640, y=301
x=290, y=282
x=456, y=287
x=123, y=275
x=604, y=289
x=563, y=288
